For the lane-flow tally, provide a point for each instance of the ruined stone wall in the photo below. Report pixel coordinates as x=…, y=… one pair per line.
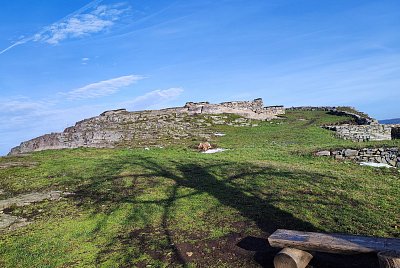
x=311, y=108
x=249, y=109
x=361, y=133
x=390, y=156
x=255, y=105
x=275, y=110
x=360, y=120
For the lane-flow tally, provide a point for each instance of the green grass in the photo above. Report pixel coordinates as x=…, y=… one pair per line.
x=137, y=207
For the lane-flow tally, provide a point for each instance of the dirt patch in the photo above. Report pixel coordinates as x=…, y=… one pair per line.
x=222, y=251
x=249, y=248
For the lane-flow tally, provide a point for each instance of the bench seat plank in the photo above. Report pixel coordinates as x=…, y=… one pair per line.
x=332, y=243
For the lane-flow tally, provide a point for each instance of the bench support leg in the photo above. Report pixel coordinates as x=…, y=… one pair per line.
x=292, y=258
x=389, y=259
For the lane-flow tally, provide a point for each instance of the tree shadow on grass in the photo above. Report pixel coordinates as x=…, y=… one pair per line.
x=202, y=178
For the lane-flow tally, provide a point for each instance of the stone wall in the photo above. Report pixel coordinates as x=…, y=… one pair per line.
x=275, y=110
x=390, y=156
x=249, y=109
x=311, y=108
x=361, y=133
x=359, y=118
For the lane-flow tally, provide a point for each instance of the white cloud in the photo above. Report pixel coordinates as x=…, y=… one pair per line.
x=85, y=61
x=80, y=25
x=102, y=88
x=90, y=19
x=155, y=97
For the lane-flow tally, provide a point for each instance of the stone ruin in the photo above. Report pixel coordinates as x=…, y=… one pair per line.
x=364, y=128
x=120, y=128
x=248, y=109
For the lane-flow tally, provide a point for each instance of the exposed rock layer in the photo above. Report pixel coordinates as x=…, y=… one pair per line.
x=12, y=222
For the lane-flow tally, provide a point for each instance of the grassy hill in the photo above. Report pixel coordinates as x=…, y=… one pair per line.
x=176, y=207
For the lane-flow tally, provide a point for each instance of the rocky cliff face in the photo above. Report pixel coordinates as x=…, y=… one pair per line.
x=120, y=128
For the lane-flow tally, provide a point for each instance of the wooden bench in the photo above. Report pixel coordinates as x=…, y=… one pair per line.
x=298, y=247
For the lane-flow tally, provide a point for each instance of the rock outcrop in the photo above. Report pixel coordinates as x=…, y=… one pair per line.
x=120, y=128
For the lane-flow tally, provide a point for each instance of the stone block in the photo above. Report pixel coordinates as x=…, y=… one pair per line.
x=323, y=153
x=350, y=152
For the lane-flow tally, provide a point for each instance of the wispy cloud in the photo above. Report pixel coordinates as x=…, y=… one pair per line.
x=80, y=25
x=18, y=112
x=102, y=88
x=90, y=19
x=152, y=98
x=17, y=105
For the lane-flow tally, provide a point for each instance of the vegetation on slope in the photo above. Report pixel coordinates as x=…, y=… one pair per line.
x=176, y=207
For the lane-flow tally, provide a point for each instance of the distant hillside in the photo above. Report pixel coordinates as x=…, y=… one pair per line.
x=390, y=121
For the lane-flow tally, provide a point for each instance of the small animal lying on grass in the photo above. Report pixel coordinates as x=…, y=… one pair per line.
x=204, y=146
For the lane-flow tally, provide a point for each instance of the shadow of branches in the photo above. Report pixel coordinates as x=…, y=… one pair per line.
x=232, y=184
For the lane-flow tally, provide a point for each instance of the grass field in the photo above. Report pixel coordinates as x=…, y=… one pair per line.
x=176, y=207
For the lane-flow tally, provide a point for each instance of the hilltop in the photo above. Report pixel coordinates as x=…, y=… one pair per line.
x=120, y=128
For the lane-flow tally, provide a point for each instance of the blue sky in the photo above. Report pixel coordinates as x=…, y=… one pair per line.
x=62, y=61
